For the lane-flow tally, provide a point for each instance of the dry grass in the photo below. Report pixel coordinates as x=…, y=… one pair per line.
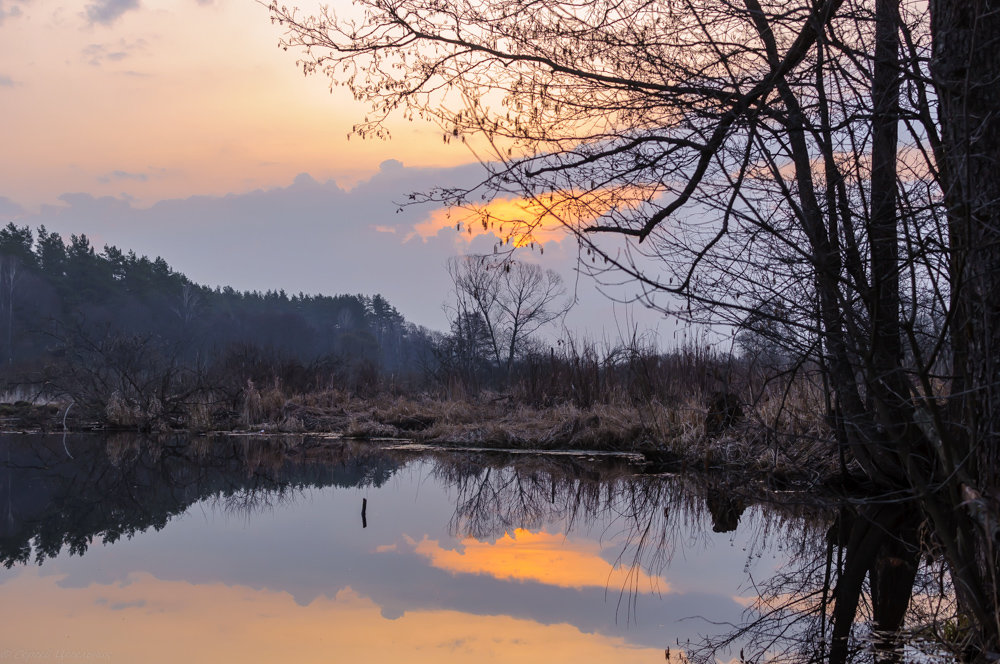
x=199, y=414
x=629, y=399
x=125, y=412
x=252, y=412
x=787, y=439
x=24, y=394
x=782, y=430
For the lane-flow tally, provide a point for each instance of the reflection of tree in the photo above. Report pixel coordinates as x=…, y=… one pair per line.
x=785, y=620
x=124, y=486
x=254, y=499
x=498, y=493
x=844, y=593
x=851, y=573
x=882, y=543
x=646, y=516
x=855, y=593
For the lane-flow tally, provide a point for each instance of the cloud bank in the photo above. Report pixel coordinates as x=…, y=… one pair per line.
x=317, y=237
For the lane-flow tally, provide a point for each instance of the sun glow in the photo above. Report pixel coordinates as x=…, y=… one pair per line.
x=523, y=222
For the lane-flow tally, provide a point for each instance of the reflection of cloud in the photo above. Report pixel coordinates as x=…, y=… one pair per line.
x=522, y=221
x=322, y=551
x=6, y=81
x=542, y=557
x=779, y=602
x=230, y=623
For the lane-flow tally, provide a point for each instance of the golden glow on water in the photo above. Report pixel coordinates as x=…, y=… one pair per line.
x=146, y=619
x=542, y=557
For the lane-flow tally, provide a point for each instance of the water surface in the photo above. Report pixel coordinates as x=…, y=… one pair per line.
x=257, y=551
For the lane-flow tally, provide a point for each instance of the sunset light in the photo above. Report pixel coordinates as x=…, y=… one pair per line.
x=524, y=222
x=220, y=623
x=499, y=331
x=543, y=558
x=162, y=99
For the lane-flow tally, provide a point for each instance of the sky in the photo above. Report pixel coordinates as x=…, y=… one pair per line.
x=180, y=129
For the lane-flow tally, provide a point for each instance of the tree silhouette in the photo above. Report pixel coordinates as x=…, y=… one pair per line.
x=830, y=161
x=512, y=300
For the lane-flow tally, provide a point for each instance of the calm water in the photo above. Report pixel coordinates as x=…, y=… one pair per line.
x=242, y=550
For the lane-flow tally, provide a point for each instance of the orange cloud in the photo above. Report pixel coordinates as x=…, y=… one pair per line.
x=525, y=221
x=154, y=621
x=543, y=557
x=784, y=601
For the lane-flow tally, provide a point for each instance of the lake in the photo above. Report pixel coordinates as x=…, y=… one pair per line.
x=303, y=550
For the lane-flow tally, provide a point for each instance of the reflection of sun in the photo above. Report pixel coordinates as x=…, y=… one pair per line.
x=521, y=222
x=542, y=557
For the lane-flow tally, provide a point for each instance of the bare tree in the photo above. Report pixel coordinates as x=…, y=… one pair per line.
x=188, y=304
x=739, y=157
x=513, y=299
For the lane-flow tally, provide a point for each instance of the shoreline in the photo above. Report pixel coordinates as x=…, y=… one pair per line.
x=672, y=438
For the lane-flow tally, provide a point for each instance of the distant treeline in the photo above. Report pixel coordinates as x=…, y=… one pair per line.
x=59, y=299
x=125, y=341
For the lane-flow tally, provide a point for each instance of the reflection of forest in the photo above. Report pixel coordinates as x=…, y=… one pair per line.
x=126, y=485
x=852, y=579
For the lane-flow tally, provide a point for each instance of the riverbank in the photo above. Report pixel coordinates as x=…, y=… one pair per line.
x=786, y=443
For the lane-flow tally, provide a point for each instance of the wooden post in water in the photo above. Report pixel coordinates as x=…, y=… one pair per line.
x=364, y=508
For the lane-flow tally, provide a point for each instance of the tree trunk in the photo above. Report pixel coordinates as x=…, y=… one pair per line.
x=966, y=70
